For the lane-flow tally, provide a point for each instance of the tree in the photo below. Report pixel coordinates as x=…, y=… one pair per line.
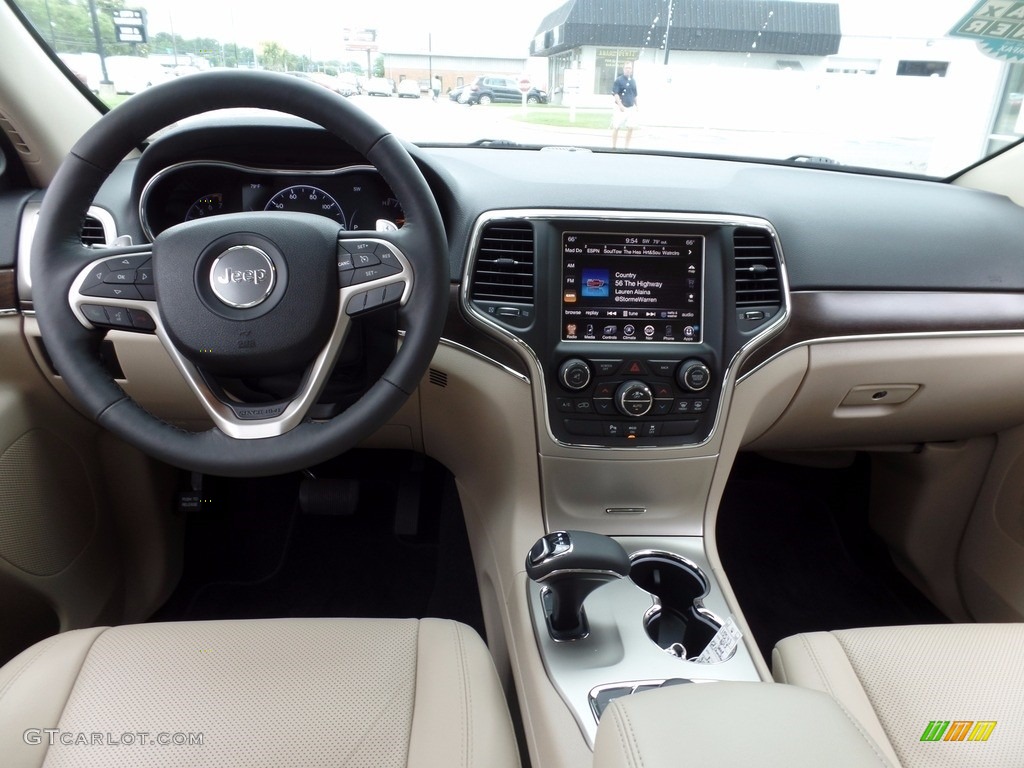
x=378, y=66
x=273, y=56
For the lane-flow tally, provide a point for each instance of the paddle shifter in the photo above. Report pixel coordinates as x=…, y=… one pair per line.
x=571, y=565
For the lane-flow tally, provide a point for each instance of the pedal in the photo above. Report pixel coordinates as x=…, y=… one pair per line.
x=336, y=497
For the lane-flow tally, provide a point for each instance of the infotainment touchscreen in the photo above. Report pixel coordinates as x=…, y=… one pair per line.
x=632, y=286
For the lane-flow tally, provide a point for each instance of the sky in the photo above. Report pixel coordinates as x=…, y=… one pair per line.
x=315, y=27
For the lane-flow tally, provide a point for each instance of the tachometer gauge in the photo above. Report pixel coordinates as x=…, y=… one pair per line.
x=306, y=199
x=207, y=205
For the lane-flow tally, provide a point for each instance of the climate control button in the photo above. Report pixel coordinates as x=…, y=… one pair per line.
x=634, y=398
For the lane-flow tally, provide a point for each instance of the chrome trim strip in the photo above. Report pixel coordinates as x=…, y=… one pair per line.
x=641, y=218
x=912, y=336
x=483, y=357
x=27, y=233
x=159, y=175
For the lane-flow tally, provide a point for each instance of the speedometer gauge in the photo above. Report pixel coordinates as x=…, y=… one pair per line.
x=306, y=199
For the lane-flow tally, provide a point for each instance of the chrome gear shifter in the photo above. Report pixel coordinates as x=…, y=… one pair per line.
x=571, y=565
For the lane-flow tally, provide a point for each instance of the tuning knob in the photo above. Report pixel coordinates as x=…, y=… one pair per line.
x=693, y=375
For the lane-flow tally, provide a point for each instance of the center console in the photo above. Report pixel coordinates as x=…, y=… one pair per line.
x=632, y=319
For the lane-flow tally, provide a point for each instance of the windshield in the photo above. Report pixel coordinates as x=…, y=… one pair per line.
x=922, y=87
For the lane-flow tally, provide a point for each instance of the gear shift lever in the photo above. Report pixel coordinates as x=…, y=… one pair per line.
x=572, y=564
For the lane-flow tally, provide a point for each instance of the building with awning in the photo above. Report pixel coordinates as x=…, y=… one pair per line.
x=591, y=39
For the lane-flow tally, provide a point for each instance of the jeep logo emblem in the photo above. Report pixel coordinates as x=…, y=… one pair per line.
x=242, y=276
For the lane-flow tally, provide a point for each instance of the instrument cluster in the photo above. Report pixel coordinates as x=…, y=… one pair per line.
x=356, y=196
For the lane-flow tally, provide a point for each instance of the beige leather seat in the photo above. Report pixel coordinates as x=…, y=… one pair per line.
x=295, y=692
x=935, y=696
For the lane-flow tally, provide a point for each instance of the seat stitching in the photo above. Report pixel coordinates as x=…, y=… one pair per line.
x=615, y=710
x=27, y=663
x=415, y=694
x=860, y=729
x=466, y=699
x=634, y=741
x=817, y=665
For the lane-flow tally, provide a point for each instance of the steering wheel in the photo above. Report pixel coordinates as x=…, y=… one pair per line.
x=239, y=295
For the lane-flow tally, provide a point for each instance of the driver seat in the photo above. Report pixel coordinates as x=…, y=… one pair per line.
x=281, y=692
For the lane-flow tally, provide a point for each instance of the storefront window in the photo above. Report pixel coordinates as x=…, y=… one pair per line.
x=1009, y=122
x=608, y=66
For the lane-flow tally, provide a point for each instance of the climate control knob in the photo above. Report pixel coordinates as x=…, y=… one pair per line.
x=634, y=398
x=693, y=375
x=574, y=374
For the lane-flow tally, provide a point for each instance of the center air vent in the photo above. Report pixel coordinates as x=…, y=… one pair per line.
x=503, y=270
x=757, y=270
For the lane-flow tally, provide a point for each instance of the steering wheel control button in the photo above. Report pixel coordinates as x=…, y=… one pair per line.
x=141, y=321
x=634, y=398
x=693, y=375
x=242, y=276
x=393, y=292
x=118, y=317
x=144, y=274
x=120, y=277
x=95, y=314
x=110, y=291
x=574, y=375
x=387, y=258
x=126, y=262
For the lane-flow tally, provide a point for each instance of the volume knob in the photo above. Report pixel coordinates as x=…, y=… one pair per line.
x=574, y=374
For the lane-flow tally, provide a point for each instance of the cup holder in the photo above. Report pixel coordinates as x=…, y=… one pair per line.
x=678, y=623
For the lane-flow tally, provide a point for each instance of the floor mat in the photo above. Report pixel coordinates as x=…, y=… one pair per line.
x=401, y=552
x=800, y=556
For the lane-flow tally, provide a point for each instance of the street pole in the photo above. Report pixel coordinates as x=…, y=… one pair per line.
x=99, y=43
x=668, y=26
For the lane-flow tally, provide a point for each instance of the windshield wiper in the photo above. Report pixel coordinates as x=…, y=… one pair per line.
x=817, y=160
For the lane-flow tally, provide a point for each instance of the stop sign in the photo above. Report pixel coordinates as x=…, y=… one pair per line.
x=524, y=84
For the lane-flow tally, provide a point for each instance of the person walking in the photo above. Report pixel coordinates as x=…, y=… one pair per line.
x=625, y=114
x=435, y=86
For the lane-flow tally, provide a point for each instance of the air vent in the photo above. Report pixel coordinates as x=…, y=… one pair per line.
x=8, y=127
x=438, y=378
x=503, y=271
x=757, y=269
x=93, y=232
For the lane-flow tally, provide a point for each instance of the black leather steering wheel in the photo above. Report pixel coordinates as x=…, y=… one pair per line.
x=245, y=294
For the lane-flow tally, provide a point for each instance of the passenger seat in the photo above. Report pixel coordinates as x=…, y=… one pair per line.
x=944, y=696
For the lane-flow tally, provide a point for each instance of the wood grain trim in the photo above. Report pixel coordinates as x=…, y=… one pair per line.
x=825, y=314
x=8, y=289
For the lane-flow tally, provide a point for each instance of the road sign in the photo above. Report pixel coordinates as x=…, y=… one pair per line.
x=130, y=25
x=524, y=84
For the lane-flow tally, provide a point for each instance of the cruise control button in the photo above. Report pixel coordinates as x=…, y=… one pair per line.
x=356, y=246
x=367, y=274
x=345, y=261
x=387, y=258
x=365, y=260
